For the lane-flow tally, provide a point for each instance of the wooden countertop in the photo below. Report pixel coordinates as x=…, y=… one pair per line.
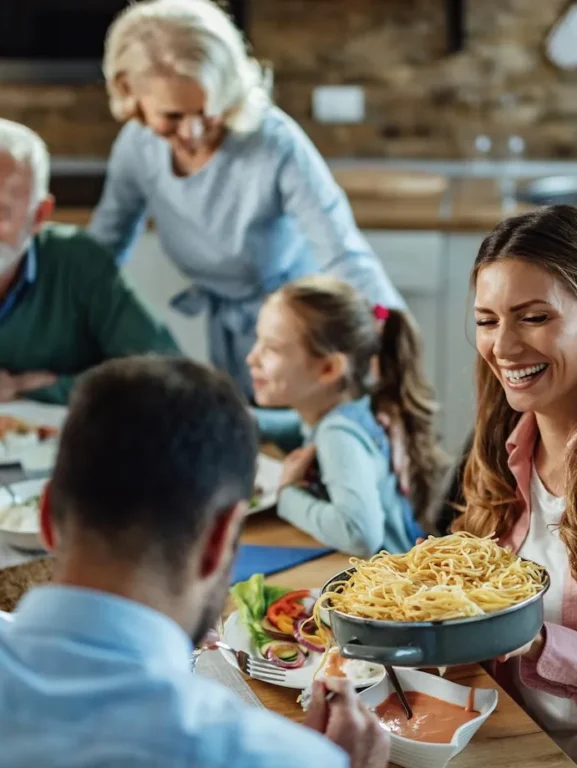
x=467, y=205
x=404, y=201
x=508, y=738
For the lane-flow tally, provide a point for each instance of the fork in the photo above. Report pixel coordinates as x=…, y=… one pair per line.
x=259, y=669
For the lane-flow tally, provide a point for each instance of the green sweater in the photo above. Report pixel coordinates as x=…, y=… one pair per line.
x=76, y=313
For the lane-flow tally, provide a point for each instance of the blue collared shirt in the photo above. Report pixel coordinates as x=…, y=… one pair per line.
x=26, y=276
x=91, y=680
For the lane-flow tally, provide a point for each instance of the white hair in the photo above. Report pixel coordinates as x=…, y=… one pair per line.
x=190, y=38
x=27, y=150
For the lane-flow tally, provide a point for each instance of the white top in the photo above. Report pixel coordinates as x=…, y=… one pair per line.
x=544, y=546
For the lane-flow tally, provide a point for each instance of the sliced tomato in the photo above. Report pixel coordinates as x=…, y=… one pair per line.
x=46, y=433
x=289, y=605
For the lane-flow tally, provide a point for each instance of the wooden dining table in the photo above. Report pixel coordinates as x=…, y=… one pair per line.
x=509, y=737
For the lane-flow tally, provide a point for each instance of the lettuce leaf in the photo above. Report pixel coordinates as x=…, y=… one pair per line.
x=252, y=598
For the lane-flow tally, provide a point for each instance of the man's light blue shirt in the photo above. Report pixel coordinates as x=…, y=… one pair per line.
x=91, y=680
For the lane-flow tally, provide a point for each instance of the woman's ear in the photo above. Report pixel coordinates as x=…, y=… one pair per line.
x=46, y=528
x=130, y=107
x=121, y=82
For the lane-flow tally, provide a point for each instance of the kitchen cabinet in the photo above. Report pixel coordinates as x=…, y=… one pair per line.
x=458, y=339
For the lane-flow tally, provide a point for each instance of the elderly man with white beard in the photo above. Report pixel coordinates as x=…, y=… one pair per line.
x=64, y=305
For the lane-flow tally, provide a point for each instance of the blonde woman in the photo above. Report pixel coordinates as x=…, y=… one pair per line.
x=525, y=282
x=242, y=201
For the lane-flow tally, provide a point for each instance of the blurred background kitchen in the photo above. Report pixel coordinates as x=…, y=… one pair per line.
x=438, y=118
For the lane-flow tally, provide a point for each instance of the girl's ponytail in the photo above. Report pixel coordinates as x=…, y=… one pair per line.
x=404, y=399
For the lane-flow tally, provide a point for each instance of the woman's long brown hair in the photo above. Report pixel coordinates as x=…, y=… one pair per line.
x=546, y=238
x=339, y=319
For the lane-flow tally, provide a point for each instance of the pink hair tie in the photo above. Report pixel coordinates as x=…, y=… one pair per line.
x=381, y=313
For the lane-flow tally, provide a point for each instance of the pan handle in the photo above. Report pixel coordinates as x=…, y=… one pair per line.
x=408, y=656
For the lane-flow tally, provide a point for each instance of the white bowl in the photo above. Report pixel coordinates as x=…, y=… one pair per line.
x=26, y=540
x=420, y=754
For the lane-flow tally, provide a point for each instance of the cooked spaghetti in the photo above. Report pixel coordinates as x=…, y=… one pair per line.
x=444, y=578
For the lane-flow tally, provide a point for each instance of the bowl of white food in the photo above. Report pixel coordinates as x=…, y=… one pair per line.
x=20, y=518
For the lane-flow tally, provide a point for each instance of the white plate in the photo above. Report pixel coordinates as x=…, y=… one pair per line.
x=421, y=754
x=237, y=636
x=24, y=490
x=268, y=475
x=35, y=413
x=38, y=457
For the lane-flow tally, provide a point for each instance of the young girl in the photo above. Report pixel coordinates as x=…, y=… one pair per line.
x=525, y=281
x=317, y=340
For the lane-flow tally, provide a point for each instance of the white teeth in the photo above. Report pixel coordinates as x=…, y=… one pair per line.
x=522, y=373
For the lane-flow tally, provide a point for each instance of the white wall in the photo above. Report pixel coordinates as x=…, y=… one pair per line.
x=157, y=281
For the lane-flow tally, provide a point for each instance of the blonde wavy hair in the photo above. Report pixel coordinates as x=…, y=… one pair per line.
x=546, y=238
x=189, y=38
x=337, y=318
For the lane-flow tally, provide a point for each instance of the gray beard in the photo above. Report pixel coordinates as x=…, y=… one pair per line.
x=9, y=256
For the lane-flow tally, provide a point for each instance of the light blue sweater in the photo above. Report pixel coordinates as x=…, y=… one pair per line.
x=262, y=212
x=367, y=512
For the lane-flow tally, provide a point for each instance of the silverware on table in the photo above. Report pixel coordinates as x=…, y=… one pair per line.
x=259, y=669
x=399, y=690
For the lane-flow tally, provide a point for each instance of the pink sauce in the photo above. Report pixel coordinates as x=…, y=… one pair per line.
x=434, y=720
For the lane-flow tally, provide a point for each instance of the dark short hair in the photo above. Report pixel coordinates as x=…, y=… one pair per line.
x=153, y=449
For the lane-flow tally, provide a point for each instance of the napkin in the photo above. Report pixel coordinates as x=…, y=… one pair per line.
x=267, y=560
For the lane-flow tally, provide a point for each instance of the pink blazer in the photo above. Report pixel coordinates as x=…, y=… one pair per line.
x=556, y=670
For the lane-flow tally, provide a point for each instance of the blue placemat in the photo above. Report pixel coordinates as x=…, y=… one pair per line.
x=256, y=559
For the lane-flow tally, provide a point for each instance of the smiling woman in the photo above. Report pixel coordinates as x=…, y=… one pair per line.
x=526, y=330
x=200, y=128
x=525, y=282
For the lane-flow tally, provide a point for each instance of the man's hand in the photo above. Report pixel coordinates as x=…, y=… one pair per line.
x=349, y=724
x=296, y=465
x=28, y=382
x=8, y=387
x=12, y=386
x=209, y=640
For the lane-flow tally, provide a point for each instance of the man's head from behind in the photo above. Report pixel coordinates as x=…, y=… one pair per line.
x=155, y=467
x=25, y=202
